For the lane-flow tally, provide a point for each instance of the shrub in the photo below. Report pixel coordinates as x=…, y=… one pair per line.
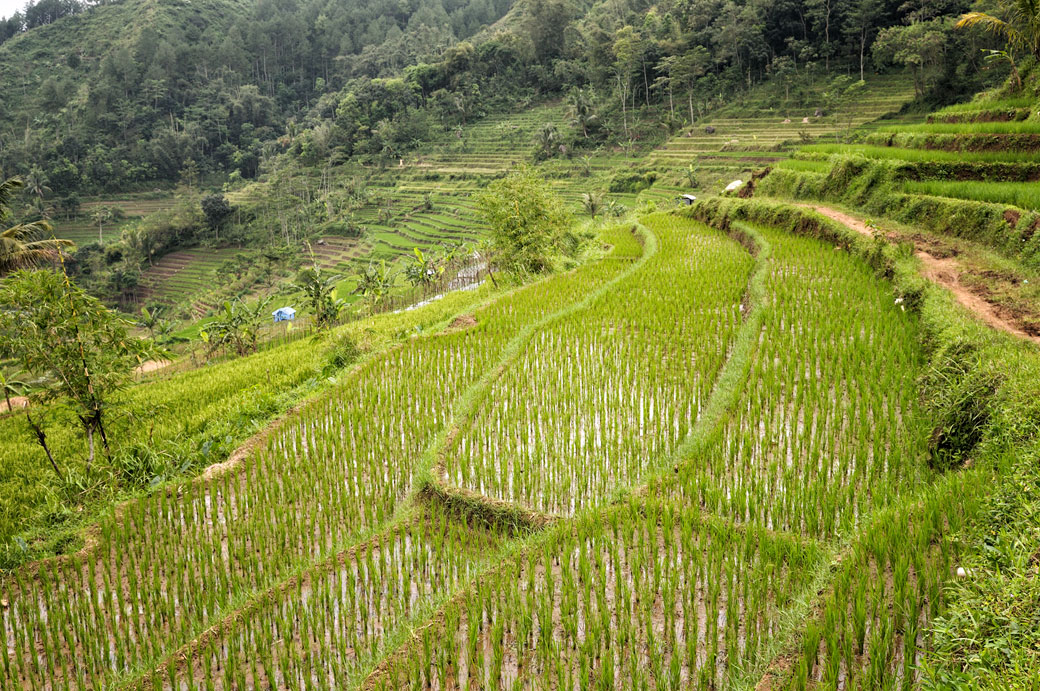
x=632, y=182
x=342, y=351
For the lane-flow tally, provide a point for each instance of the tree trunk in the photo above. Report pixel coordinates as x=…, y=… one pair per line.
x=90, y=446
x=862, y=50
x=41, y=439
x=104, y=435
x=624, y=104
x=646, y=86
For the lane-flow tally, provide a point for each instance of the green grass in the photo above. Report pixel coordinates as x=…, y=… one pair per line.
x=804, y=165
x=888, y=152
x=968, y=128
x=1025, y=195
x=988, y=105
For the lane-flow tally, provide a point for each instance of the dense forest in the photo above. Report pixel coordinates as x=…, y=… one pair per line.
x=165, y=89
x=114, y=96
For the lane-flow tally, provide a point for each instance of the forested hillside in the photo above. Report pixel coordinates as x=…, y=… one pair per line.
x=127, y=94
x=124, y=94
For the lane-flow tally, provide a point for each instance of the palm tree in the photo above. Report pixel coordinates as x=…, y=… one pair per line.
x=101, y=215
x=592, y=203
x=1020, y=29
x=580, y=109
x=24, y=244
x=547, y=139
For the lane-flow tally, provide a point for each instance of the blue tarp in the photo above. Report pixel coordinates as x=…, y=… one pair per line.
x=284, y=314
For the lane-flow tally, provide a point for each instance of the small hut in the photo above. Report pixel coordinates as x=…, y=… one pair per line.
x=284, y=314
x=687, y=199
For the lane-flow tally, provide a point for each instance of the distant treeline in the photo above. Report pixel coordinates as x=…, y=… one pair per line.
x=177, y=90
x=37, y=14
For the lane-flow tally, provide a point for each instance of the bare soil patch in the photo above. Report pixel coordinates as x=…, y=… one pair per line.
x=464, y=321
x=946, y=272
x=17, y=403
x=152, y=366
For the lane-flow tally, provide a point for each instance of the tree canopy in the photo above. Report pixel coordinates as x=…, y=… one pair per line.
x=526, y=218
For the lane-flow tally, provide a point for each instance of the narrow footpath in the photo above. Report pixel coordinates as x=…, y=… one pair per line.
x=943, y=271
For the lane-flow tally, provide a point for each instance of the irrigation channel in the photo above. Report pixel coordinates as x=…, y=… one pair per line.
x=652, y=468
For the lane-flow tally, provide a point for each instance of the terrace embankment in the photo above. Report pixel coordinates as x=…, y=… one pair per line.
x=944, y=271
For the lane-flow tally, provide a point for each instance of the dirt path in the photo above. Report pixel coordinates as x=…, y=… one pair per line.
x=17, y=402
x=152, y=366
x=944, y=271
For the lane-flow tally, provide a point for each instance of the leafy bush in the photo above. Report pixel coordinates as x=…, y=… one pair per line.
x=342, y=351
x=345, y=229
x=632, y=182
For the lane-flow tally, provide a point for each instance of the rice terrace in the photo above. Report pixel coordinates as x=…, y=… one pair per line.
x=519, y=344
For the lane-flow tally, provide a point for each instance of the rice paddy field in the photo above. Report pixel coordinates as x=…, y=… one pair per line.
x=1022, y=195
x=675, y=466
x=425, y=199
x=700, y=459
x=973, y=161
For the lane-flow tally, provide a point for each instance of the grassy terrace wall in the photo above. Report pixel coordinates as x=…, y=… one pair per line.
x=983, y=389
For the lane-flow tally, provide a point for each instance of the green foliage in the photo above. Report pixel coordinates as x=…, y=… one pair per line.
x=342, y=351
x=237, y=327
x=919, y=46
x=526, y=218
x=320, y=289
x=632, y=181
x=423, y=271
x=24, y=244
x=69, y=340
x=216, y=209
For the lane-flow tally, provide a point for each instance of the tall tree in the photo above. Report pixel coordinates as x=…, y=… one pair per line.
x=861, y=23
x=627, y=50
x=581, y=111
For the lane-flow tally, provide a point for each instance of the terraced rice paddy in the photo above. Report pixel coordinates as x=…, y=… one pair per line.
x=1025, y=195
x=771, y=130
x=823, y=151
x=83, y=231
x=180, y=276
x=636, y=472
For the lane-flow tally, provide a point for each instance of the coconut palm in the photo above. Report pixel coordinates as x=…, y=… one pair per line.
x=24, y=244
x=1020, y=27
x=580, y=109
x=592, y=203
x=548, y=139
